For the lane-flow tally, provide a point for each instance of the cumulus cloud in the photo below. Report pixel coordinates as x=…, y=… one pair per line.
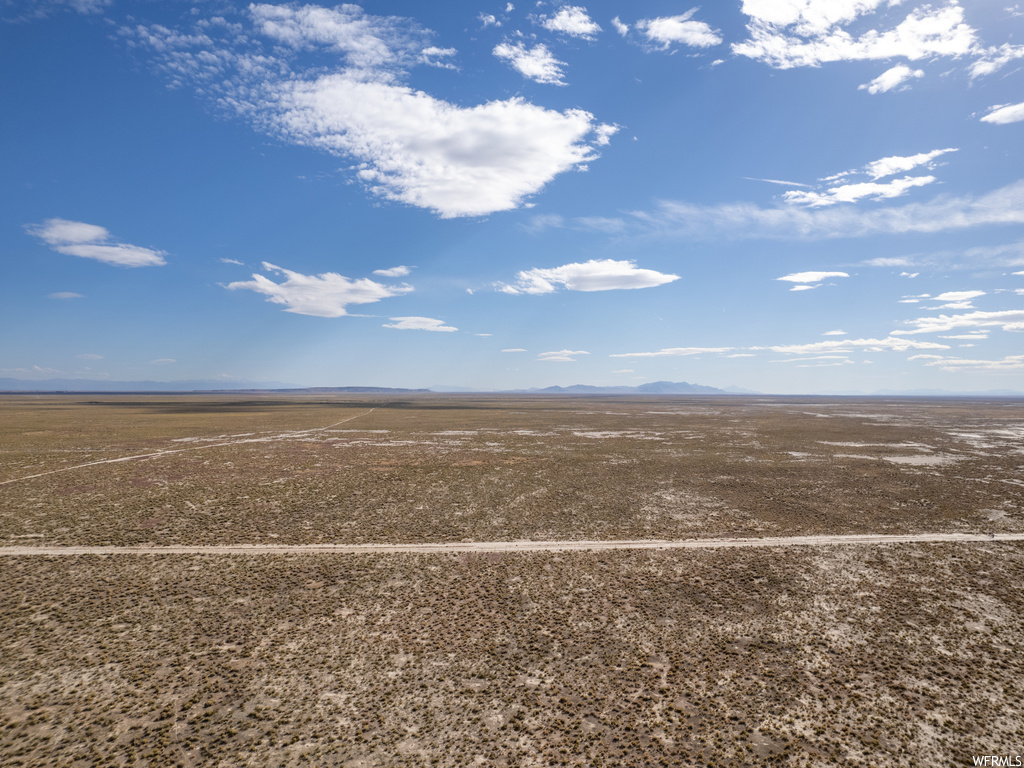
x=665, y=31
x=621, y=27
x=561, y=356
x=892, y=78
x=745, y=220
x=408, y=146
x=593, y=275
x=89, y=241
x=1004, y=113
x=1007, y=320
x=571, y=20
x=325, y=295
x=675, y=352
x=537, y=63
x=419, y=324
x=399, y=271
x=811, y=33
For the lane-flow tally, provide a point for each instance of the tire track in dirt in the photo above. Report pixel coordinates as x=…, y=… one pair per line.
x=516, y=546
x=265, y=439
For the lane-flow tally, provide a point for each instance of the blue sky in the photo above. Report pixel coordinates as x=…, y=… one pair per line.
x=802, y=196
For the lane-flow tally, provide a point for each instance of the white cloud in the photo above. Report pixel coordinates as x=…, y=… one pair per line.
x=624, y=370
x=366, y=42
x=419, y=324
x=890, y=166
x=954, y=364
x=1004, y=113
x=537, y=63
x=834, y=333
x=163, y=361
x=1008, y=320
x=489, y=20
x=324, y=295
x=958, y=295
x=810, y=277
x=890, y=344
x=593, y=275
x=64, y=295
x=233, y=261
x=408, y=146
x=432, y=154
x=976, y=336
x=994, y=59
x=804, y=287
x=851, y=193
x=662, y=32
x=842, y=358
x=620, y=26
x=810, y=33
x=891, y=78
x=675, y=352
x=561, y=356
x=399, y=271
x=89, y=241
x=572, y=20
x=514, y=349
x=744, y=220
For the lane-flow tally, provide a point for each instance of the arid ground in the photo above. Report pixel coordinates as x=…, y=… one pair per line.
x=817, y=654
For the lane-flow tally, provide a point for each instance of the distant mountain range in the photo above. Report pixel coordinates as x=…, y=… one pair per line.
x=277, y=387
x=652, y=388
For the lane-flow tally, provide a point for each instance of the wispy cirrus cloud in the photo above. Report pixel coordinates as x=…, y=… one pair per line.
x=408, y=146
x=675, y=352
x=1007, y=320
x=838, y=189
x=804, y=279
x=400, y=271
x=324, y=295
x=593, y=275
x=421, y=324
x=64, y=295
x=957, y=364
x=561, y=356
x=747, y=220
x=89, y=241
x=888, y=344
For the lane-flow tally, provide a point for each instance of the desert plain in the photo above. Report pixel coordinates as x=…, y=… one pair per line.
x=213, y=580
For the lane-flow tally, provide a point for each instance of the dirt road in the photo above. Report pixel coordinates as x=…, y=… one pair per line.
x=514, y=546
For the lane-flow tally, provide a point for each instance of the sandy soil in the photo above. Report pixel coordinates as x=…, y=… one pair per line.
x=519, y=546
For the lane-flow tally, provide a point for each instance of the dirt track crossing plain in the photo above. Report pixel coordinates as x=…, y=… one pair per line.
x=499, y=581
